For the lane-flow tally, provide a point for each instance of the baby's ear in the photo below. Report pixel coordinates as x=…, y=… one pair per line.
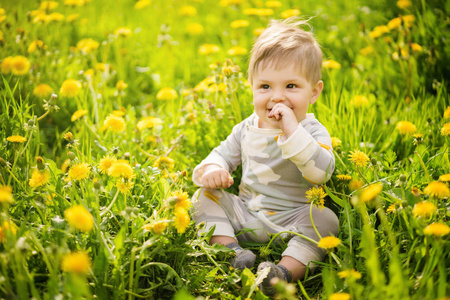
x=317, y=90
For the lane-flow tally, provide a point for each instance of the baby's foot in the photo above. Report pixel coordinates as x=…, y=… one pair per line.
x=276, y=271
x=243, y=259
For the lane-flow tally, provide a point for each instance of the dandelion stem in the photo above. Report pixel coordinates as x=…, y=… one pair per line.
x=302, y=288
x=43, y=116
x=103, y=212
x=211, y=259
x=423, y=166
x=312, y=221
x=362, y=176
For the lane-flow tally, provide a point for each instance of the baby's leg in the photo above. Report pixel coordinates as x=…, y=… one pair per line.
x=299, y=251
x=214, y=207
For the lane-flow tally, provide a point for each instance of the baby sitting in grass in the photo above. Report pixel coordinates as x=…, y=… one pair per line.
x=284, y=151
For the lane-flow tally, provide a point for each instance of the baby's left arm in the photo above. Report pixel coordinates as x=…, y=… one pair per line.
x=311, y=152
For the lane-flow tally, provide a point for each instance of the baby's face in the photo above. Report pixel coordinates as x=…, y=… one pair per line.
x=282, y=85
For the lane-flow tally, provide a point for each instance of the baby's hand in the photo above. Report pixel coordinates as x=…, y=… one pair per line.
x=286, y=117
x=215, y=177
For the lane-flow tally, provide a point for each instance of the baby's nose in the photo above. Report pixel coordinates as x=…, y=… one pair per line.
x=278, y=97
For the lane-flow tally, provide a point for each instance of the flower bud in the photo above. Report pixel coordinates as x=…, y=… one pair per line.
x=30, y=122
x=71, y=155
x=68, y=137
x=402, y=178
x=373, y=161
x=40, y=163
x=97, y=184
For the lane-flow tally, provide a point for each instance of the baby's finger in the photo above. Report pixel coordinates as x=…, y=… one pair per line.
x=230, y=181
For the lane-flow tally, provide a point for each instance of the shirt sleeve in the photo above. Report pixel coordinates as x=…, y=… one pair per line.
x=311, y=152
x=227, y=154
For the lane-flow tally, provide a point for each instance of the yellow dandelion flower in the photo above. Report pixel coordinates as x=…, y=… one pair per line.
x=437, y=189
x=359, y=158
x=65, y=165
x=366, y=51
x=273, y=4
x=195, y=29
x=415, y=191
x=76, y=262
x=121, y=168
x=42, y=90
x=344, y=177
x=87, y=45
x=230, y=2
x=290, y=13
x=121, y=85
x=7, y=226
x=79, y=171
x=329, y=242
x=335, y=142
x=236, y=51
x=409, y=20
x=124, y=185
x=157, y=227
x=355, y=184
x=78, y=114
x=370, y=192
x=39, y=178
x=79, y=218
x=72, y=17
x=181, y=199
x=395, y=207
x=70, y=88
x=122, y=32
x=148, y=122
x=394, y=23
x=416, y=47
x=207, y=49
x=402, y=4
x=48, y=5
x=16, y=139
x=119, y=113
x=36, y=45
x=6, y=194
x=187, y=11
x=445, y=177
x=264, y=12
x=239, y=24
x=6, y=65
x=405, y=127
x=378, y=31
x=181, y=220
x=164, y=163
x=445, y=130
x=20, y=65
x=331, y=64
x=316, y=196
x=258, y=31
x=56, y=17
x=115, y=123
x=360, y=101
x=437, y=229
x=349, y=273
x=167, y=93
x=142, y=4
x=339, y=296
x=424, y=209
x=447, y=113
x=105, y=163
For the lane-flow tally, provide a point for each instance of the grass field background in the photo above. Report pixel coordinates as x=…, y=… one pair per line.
x=106, y=108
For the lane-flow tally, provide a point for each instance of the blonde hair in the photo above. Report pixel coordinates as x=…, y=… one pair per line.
x=283, y=42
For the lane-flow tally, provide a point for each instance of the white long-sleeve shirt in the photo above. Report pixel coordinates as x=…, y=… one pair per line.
x=275, y=174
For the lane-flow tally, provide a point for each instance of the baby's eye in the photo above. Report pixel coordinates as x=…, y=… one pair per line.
x=291, y=86
x=265, y=86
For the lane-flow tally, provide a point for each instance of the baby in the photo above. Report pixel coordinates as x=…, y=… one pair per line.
x=284, y=151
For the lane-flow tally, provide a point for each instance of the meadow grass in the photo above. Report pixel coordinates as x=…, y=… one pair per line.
x=95, y=173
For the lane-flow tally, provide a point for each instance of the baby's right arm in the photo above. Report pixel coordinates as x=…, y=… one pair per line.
x=216, y=177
